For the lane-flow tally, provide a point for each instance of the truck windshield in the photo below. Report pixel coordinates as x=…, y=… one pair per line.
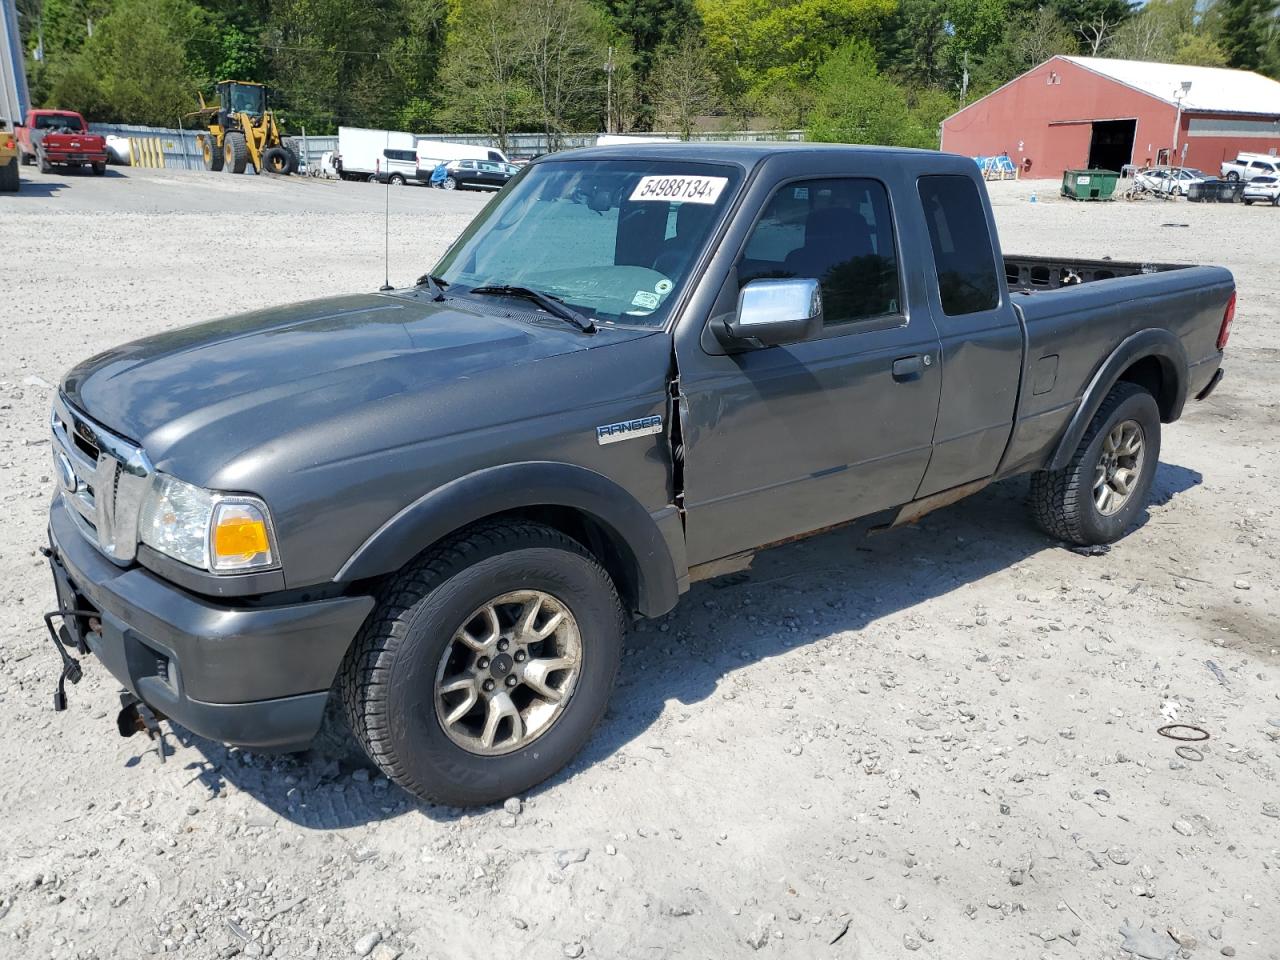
x=614, y=239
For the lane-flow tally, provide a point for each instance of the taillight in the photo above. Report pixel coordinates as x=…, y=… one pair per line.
x=1229, y=314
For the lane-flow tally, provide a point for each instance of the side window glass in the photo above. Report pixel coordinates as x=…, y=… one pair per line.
x=967, y=280
x=836, y=231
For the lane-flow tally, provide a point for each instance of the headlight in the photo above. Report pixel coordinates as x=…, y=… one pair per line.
x=222, y=533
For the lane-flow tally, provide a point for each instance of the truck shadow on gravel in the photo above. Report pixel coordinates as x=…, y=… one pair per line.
x=793, y=595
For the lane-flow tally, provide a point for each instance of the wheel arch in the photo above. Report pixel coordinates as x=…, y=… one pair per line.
x=582, y=504
x=1155, y=360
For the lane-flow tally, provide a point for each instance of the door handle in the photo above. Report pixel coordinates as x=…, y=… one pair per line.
x=907, y=369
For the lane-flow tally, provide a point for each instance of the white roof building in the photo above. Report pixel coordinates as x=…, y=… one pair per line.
x=1212, y=90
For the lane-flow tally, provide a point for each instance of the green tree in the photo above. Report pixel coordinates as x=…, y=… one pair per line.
x=855, y=104
x=139, y=66
x=1248, y=34
x=774, y=48
x=565, y=50
x=1026, y=42
x=684, y=86
x=1095, y=22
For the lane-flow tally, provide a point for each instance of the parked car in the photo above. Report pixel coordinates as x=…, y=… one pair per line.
x=9, y=179
x=436, y=508
x=1262, y=189
x=61, y=138
x=1246, y=166
x=475, y=174
x=1174, y=181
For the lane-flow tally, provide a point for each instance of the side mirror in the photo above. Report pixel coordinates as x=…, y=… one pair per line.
x=774, y=312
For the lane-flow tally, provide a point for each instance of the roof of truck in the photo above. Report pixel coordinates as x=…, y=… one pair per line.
x=743, y=152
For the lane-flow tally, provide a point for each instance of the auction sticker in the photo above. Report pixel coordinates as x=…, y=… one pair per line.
x=680, y=189
x=645, y=299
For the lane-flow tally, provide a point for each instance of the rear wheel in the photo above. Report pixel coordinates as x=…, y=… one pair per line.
x=1096, y=497
x=99, y=169
x=235, y=152
x=1233, y=176
x=487, y=664
x=45, y=165
x=9, y=177
x=293, y=159
x=396, y=180
x=213, y=158
x=1247, y=202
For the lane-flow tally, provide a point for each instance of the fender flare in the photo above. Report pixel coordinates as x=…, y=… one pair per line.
x=1152, y=342
x=494, y=490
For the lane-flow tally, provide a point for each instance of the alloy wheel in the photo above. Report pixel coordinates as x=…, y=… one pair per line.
x=1119, y=467
x=508, y=672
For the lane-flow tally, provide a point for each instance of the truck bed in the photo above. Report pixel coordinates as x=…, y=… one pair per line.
x=1029, y=274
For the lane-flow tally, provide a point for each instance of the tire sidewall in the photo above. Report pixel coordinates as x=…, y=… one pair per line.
x=1141, y=408
x=426, y=753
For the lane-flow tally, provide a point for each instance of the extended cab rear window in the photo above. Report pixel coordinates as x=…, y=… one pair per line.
x=962, y=251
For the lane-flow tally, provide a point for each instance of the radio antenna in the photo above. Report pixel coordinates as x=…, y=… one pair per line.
x=386, y=241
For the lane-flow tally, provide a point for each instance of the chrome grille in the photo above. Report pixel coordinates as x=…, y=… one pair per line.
x=103, y=478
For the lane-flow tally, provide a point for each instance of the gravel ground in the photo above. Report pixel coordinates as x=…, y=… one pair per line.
x=940, y=741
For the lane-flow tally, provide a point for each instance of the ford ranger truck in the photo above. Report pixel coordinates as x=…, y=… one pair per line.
x=436, y=508
x=61, y=138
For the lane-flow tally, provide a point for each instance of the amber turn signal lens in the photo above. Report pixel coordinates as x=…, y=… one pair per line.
x=240, y=539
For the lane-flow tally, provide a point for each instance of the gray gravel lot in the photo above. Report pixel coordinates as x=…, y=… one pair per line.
x=939, y=742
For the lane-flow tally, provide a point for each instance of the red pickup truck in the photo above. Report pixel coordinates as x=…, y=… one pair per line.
x=60, y=138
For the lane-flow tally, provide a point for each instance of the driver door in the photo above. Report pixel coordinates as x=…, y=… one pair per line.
x=786, y=440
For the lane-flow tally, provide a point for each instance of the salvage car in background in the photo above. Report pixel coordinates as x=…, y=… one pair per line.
x=1262, y=190
x=1175, y=181
x=475, y=174
x=61, y=138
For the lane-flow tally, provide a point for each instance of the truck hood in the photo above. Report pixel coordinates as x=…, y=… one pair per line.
x=235, y=384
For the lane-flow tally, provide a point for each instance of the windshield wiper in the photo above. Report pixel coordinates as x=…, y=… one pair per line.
x=553, y=305
x=434, y=284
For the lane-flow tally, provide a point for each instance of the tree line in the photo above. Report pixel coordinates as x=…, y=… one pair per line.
x=872, y=71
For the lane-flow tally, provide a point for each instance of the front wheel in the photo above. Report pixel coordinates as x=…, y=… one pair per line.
x=487, y=664
x=449, y=184
x=1098, y=495
x=1248, y=203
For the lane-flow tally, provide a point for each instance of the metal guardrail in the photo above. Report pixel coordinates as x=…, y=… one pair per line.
x=177, y=149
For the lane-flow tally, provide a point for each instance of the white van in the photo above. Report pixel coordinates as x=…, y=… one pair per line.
x=432, y=153
x=379, y=156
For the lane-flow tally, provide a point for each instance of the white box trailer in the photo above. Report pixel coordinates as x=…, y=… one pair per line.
x=376, y=155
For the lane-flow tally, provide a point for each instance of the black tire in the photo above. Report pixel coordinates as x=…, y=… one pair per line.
x=1233, y=176
x=1248, y=203
x=212, y=154
x=9, y=177
x=1062, y=501
x=99, y=169
x=400, y=648
x=235, y=152
x=45, y=165
x=449, y=183
x=275, y=160
x=293, y=159
x=1275, y=202
x=396, y=180
x=28, y=159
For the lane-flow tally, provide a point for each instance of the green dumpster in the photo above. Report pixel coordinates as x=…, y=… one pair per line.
x=1089, y=184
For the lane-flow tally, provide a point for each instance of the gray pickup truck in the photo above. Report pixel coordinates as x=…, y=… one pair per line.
x=430, y=512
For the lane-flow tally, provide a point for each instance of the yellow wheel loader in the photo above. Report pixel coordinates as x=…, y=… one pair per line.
x=242, y=131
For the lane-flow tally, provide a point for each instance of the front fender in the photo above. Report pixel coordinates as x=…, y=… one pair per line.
x=1152, y=342
x=658, y=563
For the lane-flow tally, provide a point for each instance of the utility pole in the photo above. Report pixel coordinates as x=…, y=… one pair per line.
x=964, y=81
x=1179, y=95
x=608, y=97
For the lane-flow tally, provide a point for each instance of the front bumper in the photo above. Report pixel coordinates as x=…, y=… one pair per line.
x=252, y=675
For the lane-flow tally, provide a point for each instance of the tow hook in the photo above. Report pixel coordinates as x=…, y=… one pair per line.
x=136, y=717
x=62, y=639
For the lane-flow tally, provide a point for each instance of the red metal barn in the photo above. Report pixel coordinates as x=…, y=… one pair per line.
x=1090, y=112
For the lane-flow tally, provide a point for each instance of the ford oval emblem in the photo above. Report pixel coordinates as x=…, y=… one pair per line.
x=67, y=478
